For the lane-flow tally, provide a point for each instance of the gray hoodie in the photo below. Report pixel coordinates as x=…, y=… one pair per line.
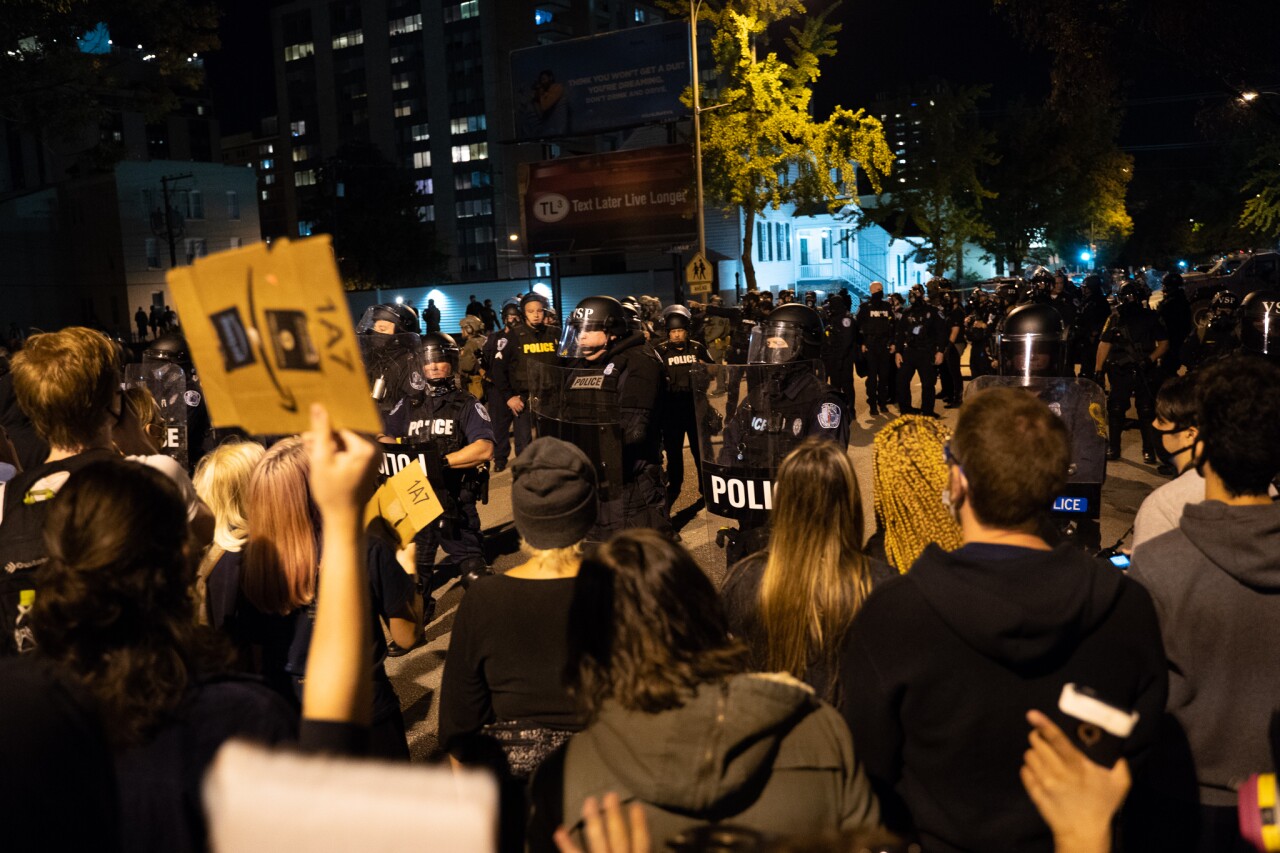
x=1215, y=582
x=754, y=750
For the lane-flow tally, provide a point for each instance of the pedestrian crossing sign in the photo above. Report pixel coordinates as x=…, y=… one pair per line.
x=698, y=272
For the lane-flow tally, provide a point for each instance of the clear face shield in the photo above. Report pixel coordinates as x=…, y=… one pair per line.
x=439, y=365
x=774, y=343
x=583, y=338
x=1027, y=356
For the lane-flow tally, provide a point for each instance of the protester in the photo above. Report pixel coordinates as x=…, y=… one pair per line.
x=1175, y=423
x=793, y=603
x=115, y=614
x=909, y=476
x=675, y=721
x=944, y=662
x=1216, y=585
x=264, y=596
x=222, y=482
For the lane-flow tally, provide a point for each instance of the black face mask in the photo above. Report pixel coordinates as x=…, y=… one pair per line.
x=877, y=297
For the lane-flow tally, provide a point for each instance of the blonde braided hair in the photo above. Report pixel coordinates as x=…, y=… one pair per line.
x=909, y=474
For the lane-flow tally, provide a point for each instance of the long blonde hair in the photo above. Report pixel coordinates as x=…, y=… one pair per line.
x=281, y=554
x=909, y=474
x=222, y=482
x=816, y=576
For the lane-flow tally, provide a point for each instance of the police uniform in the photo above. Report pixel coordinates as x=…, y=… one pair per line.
x=397, y=367
x=470, y=360
x=919, y=341
x=952, y=381
x=799, y=407
x=679, y=419
x=876, y=328
x=838, y=347
x=513, y=366
x=448, y=422
x=634, y=373
x=1133, y=336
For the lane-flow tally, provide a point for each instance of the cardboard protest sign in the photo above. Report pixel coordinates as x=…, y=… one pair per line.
x=406, y=502
x=270, y=333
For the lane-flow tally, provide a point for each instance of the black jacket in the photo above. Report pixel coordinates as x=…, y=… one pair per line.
x=943, y=664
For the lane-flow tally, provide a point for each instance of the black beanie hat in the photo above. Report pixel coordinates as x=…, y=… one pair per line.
x=553, y=494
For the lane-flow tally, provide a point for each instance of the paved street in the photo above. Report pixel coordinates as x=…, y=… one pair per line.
x=417, y=674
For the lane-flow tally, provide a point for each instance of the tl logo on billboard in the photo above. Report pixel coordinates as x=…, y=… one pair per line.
x=551, y=207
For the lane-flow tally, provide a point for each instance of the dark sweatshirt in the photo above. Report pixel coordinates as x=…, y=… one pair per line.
x=1215, y=581
x=944, y=662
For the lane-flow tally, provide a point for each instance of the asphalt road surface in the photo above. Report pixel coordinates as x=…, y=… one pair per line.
x=417, y=674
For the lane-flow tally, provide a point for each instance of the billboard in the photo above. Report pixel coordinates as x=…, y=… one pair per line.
x=587, y=85
x=605, y=202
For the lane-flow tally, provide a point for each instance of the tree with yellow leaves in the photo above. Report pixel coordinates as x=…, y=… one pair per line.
x=761, y=146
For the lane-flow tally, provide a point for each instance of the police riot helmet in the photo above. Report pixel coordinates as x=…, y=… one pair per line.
x=511, y=312
x=593, y=314
x=1032, y=341
x=1041, y=277
x=811, y=298
x=1092, y=284
x=471, y=324
x=171, y=348
x=1130, y=292
x=1171, y=281
x=790, y=333
x=632, y=313
x=676, y=317
x=402, y=317
x=530, y=298
x=786, y=296
x=1259, y=323
x=439, y=348
x=1224, y=303
x=917, y=293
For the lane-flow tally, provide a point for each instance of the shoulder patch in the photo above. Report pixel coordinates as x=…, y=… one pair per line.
x=192, y=398
x=829, y=416
x=797, y=427
x=502, y=342
x=416, y=382
x=608, y=369
x=847, y=322
x=482, y=411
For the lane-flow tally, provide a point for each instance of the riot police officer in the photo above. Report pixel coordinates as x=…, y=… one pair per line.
x=679, y=354
x=609, y=358
x=457, y=427
x=470, y=355
x=390, y=360
x=1175, y=313
x=919, y=351
x=529, y=342
x=1259, y=324
x=498, y=409
x=839, y=345
x=1130, y=348
x=798, y=403
x=876, y=328
x=171, y=348
x=951, y=310
x=1090, y=321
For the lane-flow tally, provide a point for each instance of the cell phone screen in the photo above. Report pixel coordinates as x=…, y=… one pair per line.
x=1120, y=561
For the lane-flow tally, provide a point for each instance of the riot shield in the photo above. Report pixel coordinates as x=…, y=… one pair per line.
x=393, y=364
x=167, y=383
x=1082, y=406
x=581, y=407
x=743, y=437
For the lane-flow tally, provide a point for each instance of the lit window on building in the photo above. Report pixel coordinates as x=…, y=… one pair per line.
x=401, y=81
x=473, y=207
x=419, y=133
x=474, y=151
x=410, y=24
x=427, y=213
x=542, y=16
x=302, y=152
x=425, y=186
x=467, y=124
x=422, y=159
x=298, y=128
x=304, y=178
x=350, y=39
x=403, y=109
x=641, y=16
x=304, y=228
x=299, y=51
x=461, y=11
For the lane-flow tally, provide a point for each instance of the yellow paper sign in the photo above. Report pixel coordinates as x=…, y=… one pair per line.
x=406, y=502
x=270, y=333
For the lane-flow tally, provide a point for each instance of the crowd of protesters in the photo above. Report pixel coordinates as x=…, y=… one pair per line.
x=941, y=675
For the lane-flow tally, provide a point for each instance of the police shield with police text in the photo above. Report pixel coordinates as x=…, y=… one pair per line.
x=447, y=430
x=1033, y=345
x=784, y=401
x=167, y=385
x=389, y=345
x=607, y=362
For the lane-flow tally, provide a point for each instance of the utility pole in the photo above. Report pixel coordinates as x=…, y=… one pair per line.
x=697, y=123
x=168, y=215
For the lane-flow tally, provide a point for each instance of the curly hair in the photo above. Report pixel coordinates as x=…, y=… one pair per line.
x=908, y=476
x=114, y=606
x=646, y=627
x=1238, y=403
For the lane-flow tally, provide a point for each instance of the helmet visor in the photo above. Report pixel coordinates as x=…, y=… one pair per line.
x=1026, y=356
x=582, y=340
x=774, y=343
